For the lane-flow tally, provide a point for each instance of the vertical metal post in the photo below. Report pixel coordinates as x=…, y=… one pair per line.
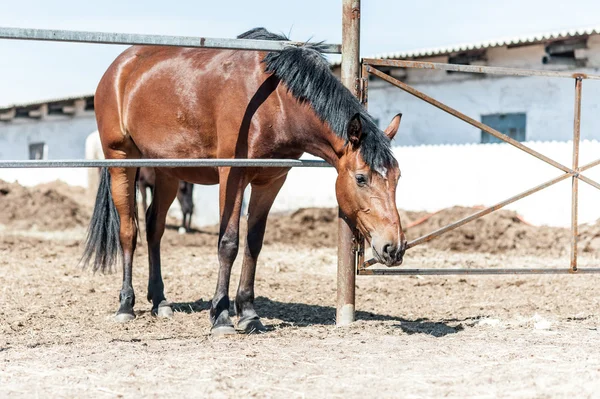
x=346, y=274
x=359, y=240
x=575, y=180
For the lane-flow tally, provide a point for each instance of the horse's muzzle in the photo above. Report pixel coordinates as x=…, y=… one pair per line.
x=392, y=254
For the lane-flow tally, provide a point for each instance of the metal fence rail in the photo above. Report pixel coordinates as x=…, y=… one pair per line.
x=574, y=172
x=167, y=163
x=154, y=40
x=477, y=69
x=475, y=272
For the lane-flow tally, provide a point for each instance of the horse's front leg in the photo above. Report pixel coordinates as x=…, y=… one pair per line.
x=231, y=191
x=261, y=199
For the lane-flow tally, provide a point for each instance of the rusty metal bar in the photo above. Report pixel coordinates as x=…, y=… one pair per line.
x=575, y=180
x=477, y=215
x=364, y=77
x=359, y=239
x=589, y=165
x=587, y=180
x=477, y=69
x=350, y=70
x=359, y=250
x=473, y=272
x=469, y=120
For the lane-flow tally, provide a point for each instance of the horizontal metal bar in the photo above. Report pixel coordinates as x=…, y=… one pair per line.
x=154, y=40
x=474, y=272
x=411, y=90
x=477, y=69
x=167, y=163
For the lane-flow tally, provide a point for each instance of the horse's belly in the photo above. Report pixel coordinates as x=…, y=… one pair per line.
x=205, y=176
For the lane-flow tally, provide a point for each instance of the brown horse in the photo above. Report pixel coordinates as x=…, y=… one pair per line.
x=168, y=102
x=146, y=180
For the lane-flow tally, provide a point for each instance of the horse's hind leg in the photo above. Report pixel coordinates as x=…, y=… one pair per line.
x=261, y=199
x=231, y=190
x=164, y=193
x=143, y=192
x=123, y=192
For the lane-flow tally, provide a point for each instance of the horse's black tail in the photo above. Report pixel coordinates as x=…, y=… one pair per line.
x=102, y=244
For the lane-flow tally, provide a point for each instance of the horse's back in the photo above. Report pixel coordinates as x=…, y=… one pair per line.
x=171, y=101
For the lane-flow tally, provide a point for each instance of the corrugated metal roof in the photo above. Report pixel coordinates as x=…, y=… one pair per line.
x=514, y=41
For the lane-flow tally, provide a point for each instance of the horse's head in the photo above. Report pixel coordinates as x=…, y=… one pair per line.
x=367, y=195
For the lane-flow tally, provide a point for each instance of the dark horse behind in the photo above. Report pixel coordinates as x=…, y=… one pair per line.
x=170, y=102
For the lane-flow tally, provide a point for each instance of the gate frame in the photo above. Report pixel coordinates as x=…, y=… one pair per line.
x=369, y=67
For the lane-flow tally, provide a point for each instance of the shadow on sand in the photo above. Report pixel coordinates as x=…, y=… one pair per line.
x=304, y=315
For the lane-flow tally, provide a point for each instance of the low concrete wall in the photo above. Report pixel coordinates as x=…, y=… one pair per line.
x=436, y=177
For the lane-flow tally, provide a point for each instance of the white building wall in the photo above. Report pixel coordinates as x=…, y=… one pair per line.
x=65, y=138
x=548, y=104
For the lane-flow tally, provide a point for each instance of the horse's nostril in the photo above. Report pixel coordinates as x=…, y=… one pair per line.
x=389, y=250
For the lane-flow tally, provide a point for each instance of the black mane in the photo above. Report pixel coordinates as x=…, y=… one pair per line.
x=262, y=34
x=307, y=75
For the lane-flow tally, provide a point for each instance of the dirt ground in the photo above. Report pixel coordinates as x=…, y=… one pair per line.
x=486, y=336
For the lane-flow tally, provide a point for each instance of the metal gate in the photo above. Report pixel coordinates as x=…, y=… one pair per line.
x=575, y=172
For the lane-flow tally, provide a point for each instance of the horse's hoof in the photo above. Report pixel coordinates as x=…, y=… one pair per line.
x=124, y=317
x=164, y=310
x=251, y=325
x=181, y=230
x=221, y=331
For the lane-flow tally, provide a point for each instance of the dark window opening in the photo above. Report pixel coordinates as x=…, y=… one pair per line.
x=38, y=151
x=468, y=58
x=89, y=104
x=564, y=53
x=513, y=125
x=396, y=73
x=56, y=108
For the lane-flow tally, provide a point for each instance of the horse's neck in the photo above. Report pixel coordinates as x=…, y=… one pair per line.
x=312, y=136
x=324, y=148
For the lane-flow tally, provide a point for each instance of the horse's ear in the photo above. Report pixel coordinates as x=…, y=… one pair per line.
x=354, y=130
x=392, y=129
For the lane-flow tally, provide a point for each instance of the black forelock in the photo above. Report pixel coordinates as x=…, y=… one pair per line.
x=307, y=75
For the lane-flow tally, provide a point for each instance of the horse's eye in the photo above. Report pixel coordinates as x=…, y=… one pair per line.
x=361, y=180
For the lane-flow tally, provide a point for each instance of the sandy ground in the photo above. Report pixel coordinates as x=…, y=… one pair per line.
x=486, y=336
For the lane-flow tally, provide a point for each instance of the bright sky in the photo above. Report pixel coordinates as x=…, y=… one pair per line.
x=32, y=71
